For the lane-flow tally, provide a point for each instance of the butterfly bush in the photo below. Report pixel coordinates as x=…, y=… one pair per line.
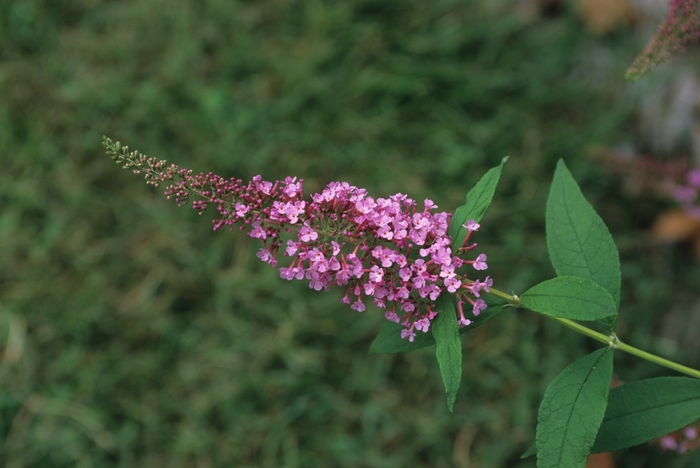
x=398, y=254
x=680, y=27
x=389, y=251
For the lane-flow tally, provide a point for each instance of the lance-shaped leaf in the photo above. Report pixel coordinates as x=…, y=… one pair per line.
x=578, y=241
x=478, y=201
x=572, y=410
x=389, y=341
x=570, y=297
x=646, y=409
x=448, y=347
x=529, y=452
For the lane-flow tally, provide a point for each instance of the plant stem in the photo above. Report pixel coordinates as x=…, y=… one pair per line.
x=658, y=360
x=611, y=340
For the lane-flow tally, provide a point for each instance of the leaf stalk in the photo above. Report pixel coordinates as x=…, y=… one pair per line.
x=611, y=340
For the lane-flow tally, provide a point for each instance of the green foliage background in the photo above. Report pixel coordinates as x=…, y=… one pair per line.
x=133, y=336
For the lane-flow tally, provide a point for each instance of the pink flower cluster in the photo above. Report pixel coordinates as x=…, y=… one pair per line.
x=687, y=193
x=680, y=27
x=680, y=441
x=381, y=235
x=386, y=250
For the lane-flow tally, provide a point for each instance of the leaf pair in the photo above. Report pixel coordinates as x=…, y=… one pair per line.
x=578, y=241
x=587, y=287
x=584, y=257
x=636, y=412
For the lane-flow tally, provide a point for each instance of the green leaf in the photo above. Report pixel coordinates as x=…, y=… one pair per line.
x=646, y=409
x=570, y=297
x=478, y=201
x=578, y=241
x=529, y=452
x=448, y=347
x=389, y=341
x=572, y=410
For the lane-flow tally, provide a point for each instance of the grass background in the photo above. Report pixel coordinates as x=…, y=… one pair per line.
x=133, y=336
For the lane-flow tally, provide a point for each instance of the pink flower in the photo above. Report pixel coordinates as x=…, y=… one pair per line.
x=480, y=262
x=292, y=273
x=293, y=187
x=306, y=234
x=477, y=286
x=408, y=333
x=342, y=277
x=266, y=256
x=385, y=232
x=292, y=248
x=341, y=237
x=293, y=210
x=336, y=248
x=479, y=305
x=241, y=210
x=453, y=284
x=405, y=274
x=685, y=194
x=447, y=271
x=669, y=443
x=422, y=324
x=694, y=178
x=257, y=232
x=443, y=255
x=433, y=292
x=690, y=432
x=391, y=316
x=471, y=225
x=358, y=305
x=376, y=274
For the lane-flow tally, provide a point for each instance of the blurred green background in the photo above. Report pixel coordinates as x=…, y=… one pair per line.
x=133, y=336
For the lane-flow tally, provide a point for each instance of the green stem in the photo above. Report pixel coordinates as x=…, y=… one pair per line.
x=611, y=340
x=658, y=360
